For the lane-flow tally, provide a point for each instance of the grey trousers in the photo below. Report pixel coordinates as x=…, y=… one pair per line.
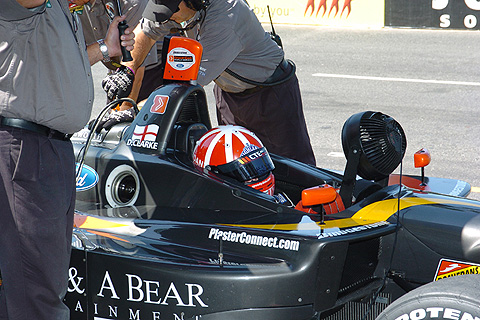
x=37, y=196
x=274, y=114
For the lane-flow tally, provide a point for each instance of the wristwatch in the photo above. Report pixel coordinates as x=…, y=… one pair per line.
x=104, y=50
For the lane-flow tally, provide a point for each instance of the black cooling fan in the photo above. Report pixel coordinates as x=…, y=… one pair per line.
x=379, y=138
x=374, y=145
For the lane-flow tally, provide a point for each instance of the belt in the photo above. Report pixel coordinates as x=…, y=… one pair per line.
x=282, y=70
x=250, y=91
x=34, y=127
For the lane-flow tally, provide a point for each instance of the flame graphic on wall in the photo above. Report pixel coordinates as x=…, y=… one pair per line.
x=334, y=6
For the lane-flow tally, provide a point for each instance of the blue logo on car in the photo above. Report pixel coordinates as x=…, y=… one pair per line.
x=88, y=178
x=180, y=65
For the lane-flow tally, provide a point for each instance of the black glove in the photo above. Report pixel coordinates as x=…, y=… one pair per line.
x=116, y=117
x=118, y=84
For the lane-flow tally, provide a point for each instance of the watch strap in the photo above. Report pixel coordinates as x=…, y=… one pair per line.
x=104, y=50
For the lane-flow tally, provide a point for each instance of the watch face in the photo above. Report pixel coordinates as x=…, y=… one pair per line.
x=104, y=50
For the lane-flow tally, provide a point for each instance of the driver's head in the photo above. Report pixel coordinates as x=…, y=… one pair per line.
x=236, y=152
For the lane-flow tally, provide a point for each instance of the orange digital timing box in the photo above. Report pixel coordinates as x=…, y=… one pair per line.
x=181, y=58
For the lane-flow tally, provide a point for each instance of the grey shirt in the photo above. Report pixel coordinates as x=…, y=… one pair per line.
x=232, y=37
x=45, y=74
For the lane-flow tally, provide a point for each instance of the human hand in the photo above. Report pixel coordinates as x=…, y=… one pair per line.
x=119, y=84
x=113, y=35
x=114, y=118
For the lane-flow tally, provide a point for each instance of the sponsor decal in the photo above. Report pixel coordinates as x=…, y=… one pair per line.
x=252, y=156
x=197, y=161
x=180, y=59
x=88, y=178
x=437, y=313
x=133, y=297
x=255, y=240
x=159, y=104
x=83, y=134
x=248, y=148
x=340, y=232
x=202, y=71
x=451, y=268
x=459, y=187
x=144, y=137
x=228, y=263
x=75, y=282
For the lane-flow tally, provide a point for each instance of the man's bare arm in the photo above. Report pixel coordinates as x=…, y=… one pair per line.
x=143, y=44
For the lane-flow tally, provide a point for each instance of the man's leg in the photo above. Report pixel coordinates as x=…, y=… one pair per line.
x=36, y=197
x=224, y=115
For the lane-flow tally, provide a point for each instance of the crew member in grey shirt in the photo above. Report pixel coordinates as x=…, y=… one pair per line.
x=46, y=93
x=255, y=86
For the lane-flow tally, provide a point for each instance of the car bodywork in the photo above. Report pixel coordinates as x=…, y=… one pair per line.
x=156, y=238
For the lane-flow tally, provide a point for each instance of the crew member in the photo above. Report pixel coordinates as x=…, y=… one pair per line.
x=46, y=94
x=255, y=86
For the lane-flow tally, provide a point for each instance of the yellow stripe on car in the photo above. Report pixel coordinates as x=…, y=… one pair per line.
x=99, y=223
x=373, y=213
x=113, y=225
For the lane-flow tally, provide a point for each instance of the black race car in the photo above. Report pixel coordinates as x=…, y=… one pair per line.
x=157, y=238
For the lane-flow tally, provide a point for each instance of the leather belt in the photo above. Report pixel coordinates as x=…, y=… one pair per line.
x=34, y=127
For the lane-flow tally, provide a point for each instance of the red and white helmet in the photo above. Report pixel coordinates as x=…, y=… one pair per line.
x=238, y=153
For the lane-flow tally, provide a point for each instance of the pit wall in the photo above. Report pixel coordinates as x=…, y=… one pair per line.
x=437, y=14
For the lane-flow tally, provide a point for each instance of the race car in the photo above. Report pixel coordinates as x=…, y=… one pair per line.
x=155, y=237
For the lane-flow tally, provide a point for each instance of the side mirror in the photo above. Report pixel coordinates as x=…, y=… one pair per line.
x=318, y=195
x=421, y=159
x=314, y=199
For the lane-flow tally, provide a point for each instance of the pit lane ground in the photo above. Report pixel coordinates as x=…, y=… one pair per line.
x=428, y=80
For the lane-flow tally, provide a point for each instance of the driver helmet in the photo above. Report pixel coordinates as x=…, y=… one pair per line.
x=238, y=153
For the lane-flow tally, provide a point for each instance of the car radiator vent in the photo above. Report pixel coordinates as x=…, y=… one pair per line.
x=357, y=310
x=190, y=110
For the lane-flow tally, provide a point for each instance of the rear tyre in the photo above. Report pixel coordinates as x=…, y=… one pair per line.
x=453, y=298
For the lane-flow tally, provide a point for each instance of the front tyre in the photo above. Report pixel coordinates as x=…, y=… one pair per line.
x=452, y=298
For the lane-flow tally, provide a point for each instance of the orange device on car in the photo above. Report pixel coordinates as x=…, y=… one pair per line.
x=181, y=59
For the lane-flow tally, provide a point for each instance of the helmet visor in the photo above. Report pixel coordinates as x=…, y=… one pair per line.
x=250, y=166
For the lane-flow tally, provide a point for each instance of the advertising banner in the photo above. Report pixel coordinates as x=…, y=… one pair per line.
x=444, y=14
x=345, y=13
